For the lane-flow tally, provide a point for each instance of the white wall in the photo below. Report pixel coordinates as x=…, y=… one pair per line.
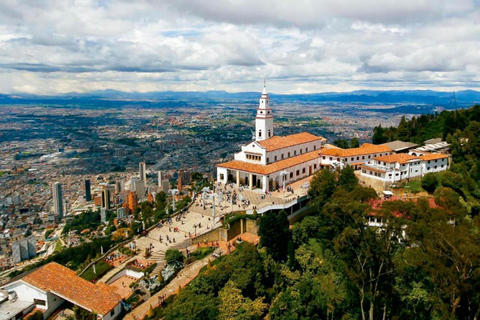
x=117, y=310
x=327, y=160
x=413, y=169
x=27, y=292
x=53, y=303
x=311, y=146
x=440, y=164
x=130, y=273
x=221, y=171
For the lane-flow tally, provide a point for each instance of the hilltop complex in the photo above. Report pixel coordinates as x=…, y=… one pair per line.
x=271, y=162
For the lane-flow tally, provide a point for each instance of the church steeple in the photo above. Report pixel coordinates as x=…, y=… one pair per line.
x=264, y=118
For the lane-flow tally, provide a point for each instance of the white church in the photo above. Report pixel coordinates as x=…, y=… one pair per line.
x=271, y=160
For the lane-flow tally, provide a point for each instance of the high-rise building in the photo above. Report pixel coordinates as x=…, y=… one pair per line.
x=118, y=187
x=32, y=250
x=179, y=180
x=142, y=172
x=121, y=213
x=138, y=186
x=159, y=179
x=103, y=215
x=16, y=255
x=132, y=201
x=58, y=200
x=23, y=249
x=88, y=190
x=165, y=185
x=106, y=198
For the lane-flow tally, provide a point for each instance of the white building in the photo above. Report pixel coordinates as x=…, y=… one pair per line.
x=270, y=160
x=397, y=167
x=49, y=286
x=355, y=157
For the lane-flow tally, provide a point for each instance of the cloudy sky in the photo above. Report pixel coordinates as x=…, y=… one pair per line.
x=60, y=46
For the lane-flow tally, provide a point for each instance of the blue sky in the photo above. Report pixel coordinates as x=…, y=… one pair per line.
x=301, y=46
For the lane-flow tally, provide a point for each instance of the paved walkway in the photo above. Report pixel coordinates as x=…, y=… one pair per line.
x=182, y=279
x=114, y=270
x=186, y=275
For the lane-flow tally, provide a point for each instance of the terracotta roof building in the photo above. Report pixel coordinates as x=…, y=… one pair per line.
x=270, y=160
x=277, y=142
x=354, y=157
x=49, y=286
x=396, y=167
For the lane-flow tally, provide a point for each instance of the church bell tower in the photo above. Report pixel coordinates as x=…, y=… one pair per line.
x=264, y=118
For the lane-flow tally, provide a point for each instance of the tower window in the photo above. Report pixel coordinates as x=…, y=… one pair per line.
x=269, y=133
x=260, y=133
x=261, y=111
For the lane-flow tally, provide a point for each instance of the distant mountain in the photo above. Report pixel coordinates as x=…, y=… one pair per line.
x=185, y=98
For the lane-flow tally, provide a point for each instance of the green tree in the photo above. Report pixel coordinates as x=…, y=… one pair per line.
x=347, y=178
x=354, y=143
x=173, y=255
x=274, y=231
x=430, y=182
x=322, y=186
x=234, y=306
x=379, y=136
x=341, y=143
x=448, y=254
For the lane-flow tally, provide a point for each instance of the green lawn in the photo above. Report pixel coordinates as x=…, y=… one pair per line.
x=58, y=246
x=413, y=186
x=101, y=267
x=202, y=252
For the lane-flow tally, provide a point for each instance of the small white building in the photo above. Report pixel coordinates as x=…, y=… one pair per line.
x=397, y=167
x=49, y=286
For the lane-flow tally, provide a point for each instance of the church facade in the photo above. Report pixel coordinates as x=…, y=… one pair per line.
x=271, y=161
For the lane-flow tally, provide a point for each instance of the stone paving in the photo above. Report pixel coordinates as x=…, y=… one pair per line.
x=199, y=219
x=122, y=286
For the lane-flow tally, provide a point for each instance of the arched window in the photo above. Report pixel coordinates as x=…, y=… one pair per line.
x=269, y=133
x=259, y=133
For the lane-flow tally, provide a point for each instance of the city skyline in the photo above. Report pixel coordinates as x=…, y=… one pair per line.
x=61, y=47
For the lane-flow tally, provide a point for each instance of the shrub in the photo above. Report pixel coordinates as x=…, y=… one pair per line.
x=430, y=182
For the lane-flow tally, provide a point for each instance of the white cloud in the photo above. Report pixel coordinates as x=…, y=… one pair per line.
x=58, y=46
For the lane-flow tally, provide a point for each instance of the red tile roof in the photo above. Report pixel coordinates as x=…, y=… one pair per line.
x=277, y=142
x=434, y=156
x=377, y=204
x=401, y=158
x=366, y=148
x=66, y=284
x=270, y=168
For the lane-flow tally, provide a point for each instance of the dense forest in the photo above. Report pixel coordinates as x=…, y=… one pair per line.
x=424, y=263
